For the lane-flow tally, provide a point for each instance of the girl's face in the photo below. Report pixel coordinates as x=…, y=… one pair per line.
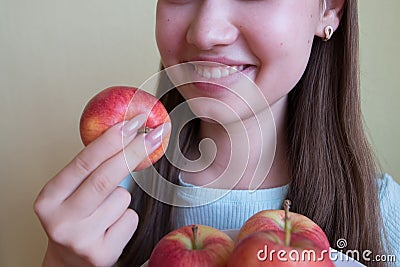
x=267, y=40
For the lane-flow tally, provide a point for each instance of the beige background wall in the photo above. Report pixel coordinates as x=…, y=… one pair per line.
x=54, y=55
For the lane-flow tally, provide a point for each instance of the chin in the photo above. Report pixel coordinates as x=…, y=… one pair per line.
x=224, y=108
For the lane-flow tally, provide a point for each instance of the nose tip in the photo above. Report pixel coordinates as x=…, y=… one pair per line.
x=211, y=28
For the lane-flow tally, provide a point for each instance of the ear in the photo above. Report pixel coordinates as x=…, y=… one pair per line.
x=330, y=16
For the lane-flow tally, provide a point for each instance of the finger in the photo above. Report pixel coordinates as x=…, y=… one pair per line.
x=108, y=175
x=110, y=210
x=119, y=234
x=104, y=147
x=153, y=141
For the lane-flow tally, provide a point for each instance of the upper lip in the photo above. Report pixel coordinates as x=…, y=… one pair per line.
x=220, y=60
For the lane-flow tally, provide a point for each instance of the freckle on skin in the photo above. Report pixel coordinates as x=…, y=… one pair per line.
x=281, y=44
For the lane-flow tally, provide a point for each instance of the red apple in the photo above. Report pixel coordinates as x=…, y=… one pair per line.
x=194, y=246
x=268, y=248
x=275, y=220
x=118, y=103
x=277, y=238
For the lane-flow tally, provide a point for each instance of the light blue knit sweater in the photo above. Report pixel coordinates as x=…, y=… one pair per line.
x=232, y=210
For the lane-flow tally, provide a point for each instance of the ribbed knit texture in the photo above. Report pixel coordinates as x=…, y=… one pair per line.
x=236, y=206
x=229, y=211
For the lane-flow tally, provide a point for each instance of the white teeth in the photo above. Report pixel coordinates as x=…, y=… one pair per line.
x=224, y=72
x=216, y=72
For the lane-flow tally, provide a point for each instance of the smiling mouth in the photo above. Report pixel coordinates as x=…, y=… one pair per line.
x=217, y=72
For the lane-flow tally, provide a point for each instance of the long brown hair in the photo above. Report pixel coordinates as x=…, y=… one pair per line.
x=334, y=171
x=332, y=166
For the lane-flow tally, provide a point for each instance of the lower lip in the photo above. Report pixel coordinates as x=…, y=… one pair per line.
x=220, y=85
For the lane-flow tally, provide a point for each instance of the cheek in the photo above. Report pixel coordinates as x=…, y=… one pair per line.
x=283, y=51
x=171, y=27
x=165, y=39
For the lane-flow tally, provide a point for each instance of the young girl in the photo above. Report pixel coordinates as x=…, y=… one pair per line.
x=303, y=58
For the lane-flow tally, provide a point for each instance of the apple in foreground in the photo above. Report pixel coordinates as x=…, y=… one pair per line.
x=268, y=248
x=277, y=238
x=118, y=103
x=194, y=246
x=275, y=220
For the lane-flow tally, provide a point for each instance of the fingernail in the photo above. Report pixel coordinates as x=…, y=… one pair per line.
x=131, y=127
x=155, y=137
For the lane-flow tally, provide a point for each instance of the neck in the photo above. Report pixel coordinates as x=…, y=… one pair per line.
x=249, y=155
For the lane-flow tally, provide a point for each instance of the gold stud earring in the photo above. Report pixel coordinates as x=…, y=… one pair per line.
x=328, y=33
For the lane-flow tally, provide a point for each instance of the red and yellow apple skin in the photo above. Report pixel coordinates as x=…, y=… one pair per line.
x=275, y=220
x=267, y=248
x=177, y=249
x=118, y=103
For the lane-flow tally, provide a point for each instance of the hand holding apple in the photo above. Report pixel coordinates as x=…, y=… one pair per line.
x=119, y=103
x=87, y=187
x=192, y=246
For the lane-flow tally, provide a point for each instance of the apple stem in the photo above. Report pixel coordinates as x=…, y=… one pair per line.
x=144, y=130
x=288, y=227
x=195, y=242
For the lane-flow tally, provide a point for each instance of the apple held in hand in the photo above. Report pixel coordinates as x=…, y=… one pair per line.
x=275, y=238
x=192, y=246
x=118, y=103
